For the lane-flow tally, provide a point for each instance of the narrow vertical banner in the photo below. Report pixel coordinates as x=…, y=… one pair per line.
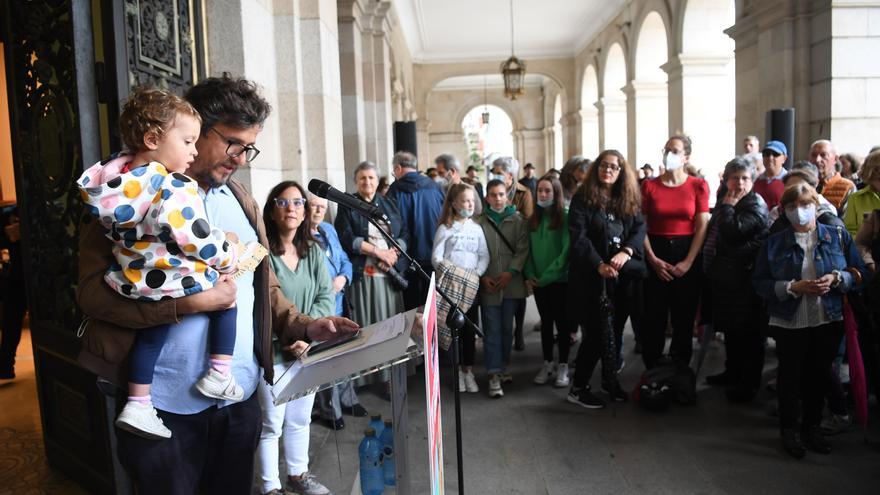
x=432, y=386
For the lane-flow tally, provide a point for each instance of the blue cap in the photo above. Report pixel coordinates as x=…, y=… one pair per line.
x=777, y=147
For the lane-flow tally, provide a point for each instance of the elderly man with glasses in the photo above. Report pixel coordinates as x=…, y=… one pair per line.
x=213, y=443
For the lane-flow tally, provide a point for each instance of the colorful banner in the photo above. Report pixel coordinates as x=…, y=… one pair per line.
x=432, y=386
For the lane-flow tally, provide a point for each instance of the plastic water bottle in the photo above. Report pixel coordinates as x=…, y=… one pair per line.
x=376, y=424
x=388, y=468
x=370, y=453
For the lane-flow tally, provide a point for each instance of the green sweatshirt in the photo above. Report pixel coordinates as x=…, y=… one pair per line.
x=548, y=253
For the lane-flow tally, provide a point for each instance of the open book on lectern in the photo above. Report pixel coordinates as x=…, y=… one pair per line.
x=375, y=347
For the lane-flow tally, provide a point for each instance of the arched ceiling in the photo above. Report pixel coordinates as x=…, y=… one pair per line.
x=459, y=30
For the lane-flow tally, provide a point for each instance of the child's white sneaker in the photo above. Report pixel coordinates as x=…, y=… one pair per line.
x=216, y=385
x=470, y=382
x=142, y=420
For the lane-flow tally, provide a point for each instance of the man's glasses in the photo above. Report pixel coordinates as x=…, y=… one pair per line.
x=234, y=149
x=284, y=202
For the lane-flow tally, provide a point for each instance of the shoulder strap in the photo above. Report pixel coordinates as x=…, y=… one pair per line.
x=498, y=231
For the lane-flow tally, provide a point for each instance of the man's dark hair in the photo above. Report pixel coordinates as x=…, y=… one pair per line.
x=230, y=101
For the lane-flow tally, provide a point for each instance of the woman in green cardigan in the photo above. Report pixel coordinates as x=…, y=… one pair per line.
x=546, y=275
x=298, y=263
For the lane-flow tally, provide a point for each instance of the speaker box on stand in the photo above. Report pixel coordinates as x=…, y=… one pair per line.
x=780, y=127
x=405, y=137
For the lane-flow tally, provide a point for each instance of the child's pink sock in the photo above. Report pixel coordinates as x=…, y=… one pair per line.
x=221, y=366
x=145, y=400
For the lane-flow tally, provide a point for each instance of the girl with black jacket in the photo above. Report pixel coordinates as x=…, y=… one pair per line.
x=607, y=247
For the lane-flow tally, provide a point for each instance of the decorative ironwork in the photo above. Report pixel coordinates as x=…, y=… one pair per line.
x=159, y=43
x=43, y=94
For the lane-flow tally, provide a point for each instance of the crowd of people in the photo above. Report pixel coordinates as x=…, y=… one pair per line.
x=199, y=336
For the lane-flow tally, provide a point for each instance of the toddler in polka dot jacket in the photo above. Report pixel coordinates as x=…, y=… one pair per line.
x=162, y=241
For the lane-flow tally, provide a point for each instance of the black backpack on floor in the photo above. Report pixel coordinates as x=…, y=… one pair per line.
x=664, y=383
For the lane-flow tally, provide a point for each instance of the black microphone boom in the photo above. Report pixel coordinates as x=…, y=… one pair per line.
x=324, y=190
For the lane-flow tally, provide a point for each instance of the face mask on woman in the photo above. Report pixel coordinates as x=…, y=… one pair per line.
x=802, y=215
x=545, y=203
x=672, y=161
x=465, y=213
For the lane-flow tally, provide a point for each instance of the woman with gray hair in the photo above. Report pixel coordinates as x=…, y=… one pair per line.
x=736, y=231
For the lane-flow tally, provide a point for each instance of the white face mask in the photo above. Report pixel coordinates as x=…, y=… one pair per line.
x=500, y=177
x=465, y=213
x=672, y=161
x=441, y=181
x=545, y=203
x=802, y=215
x=497, y=210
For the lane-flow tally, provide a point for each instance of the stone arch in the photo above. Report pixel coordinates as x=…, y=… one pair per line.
x=702, y=81
x=589, y=114
x=649, y=88
x=613, y=102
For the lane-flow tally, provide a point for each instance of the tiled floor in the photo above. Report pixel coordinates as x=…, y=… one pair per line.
x=23, y=466
x=532, y=442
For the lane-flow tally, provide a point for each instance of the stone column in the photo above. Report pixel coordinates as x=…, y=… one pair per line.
x=351, y=68
x=571, y=134
x=699, y=105
x=549, y=147
x=382, y=87
x=423, y=141
x=647, y=109
x=589, y=118
x=613, y=119
x=321, y=90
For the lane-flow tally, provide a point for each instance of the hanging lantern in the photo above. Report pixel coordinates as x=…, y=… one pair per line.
x=514, y=72
x=485, y=117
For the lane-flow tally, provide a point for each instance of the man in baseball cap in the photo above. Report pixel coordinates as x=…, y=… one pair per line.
x=770, y=185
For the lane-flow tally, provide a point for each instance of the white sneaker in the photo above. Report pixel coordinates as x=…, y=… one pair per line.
x=216, y=385
x=547, y=372
x=462, y=385
x=561, y=376
x=495, y=386
x=143, y=421
x=470, y=382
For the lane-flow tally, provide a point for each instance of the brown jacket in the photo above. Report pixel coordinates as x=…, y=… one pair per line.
x=523, y=201
x=109, y=334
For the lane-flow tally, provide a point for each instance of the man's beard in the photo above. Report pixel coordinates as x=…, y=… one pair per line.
x=206, y=177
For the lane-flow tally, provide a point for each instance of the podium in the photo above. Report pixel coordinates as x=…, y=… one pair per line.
x=387, y=344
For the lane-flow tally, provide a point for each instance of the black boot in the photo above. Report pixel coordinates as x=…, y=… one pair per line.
x=816, y=441
x=791, y=442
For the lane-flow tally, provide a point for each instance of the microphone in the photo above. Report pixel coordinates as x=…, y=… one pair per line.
x=324, y=190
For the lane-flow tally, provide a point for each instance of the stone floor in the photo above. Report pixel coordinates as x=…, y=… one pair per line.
x=532, y=442
x=23, y=466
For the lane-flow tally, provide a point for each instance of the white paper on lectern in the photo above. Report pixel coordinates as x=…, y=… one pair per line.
x=383, y=341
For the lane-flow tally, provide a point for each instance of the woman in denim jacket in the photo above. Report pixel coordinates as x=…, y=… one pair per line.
x=802, y=272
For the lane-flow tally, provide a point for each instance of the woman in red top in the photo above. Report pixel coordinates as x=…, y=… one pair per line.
x=676, y=209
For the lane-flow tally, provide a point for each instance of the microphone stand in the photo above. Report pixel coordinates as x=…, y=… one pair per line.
x=455, y=321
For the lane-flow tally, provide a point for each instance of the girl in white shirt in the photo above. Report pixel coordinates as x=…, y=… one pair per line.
x=460, y=241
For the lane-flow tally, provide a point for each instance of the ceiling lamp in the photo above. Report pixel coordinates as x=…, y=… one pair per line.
x=485, y=115
x=514, y=69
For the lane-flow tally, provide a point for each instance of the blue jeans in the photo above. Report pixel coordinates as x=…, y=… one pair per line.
x=498, y=329
x=149, y=341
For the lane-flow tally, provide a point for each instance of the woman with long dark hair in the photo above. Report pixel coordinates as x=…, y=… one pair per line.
x=607, y=239
x=298, y=263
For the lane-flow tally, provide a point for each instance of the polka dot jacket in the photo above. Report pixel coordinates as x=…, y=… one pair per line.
x=162, y=241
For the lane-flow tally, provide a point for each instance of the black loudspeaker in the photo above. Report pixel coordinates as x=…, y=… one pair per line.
x=405, y=137
x=780, y=127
